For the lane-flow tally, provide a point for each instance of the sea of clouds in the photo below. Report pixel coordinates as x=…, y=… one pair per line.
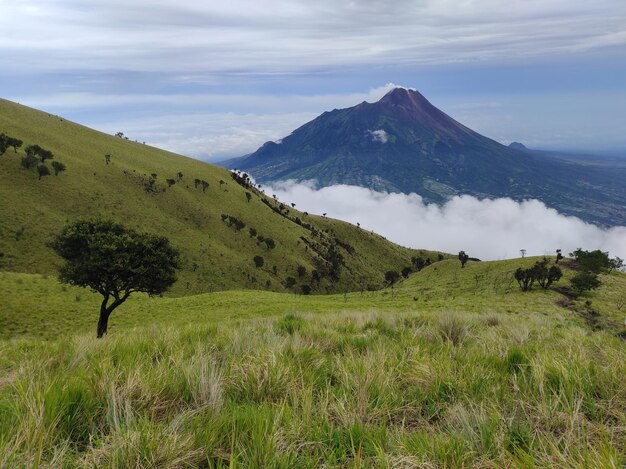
x=489, y=229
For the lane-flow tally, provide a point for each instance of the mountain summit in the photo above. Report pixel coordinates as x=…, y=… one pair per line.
x=403, y=143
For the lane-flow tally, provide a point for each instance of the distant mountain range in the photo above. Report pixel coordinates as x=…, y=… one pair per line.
x=403, y=143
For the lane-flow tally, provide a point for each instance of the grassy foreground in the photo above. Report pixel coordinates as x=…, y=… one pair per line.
x=337, y=390
x=453, y=368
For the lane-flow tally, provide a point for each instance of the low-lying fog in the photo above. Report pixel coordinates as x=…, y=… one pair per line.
x=489, y=229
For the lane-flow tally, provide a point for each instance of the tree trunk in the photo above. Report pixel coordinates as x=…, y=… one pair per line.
x=105, y=312
x=103, y=321
x=102, y=324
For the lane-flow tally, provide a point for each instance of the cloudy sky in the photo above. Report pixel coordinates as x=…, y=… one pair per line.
x=216, y=79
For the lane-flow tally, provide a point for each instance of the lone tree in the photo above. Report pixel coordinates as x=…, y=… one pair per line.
x=463, y=258
x=114, y=261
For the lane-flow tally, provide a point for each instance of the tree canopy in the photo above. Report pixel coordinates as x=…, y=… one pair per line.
x=115, y=261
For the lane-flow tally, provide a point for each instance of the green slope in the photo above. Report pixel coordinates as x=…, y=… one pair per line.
x=216, y=257
x=38, y=306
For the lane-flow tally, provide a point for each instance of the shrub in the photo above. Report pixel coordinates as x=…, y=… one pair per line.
x=306, y=289
x=592, y=261
x=546, y=276
x=585, y=281
x=258, y=261
x=29, y=161
x=58, y=167
x=391, y=277
x=616, y=264
x=233, y=221
x=43, y=170
x=539, y=273
x=38, y=152
x=554, y=275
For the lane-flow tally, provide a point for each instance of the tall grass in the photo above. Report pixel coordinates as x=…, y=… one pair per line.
x=340, y=390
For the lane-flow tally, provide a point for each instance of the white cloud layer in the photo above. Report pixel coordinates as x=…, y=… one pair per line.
x=489, y=229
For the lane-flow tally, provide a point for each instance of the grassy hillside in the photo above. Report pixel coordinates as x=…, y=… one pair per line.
x=38, y=306
x=443, y=371
x=216, y=256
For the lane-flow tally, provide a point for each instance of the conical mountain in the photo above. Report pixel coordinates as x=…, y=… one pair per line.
x=404, y=143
